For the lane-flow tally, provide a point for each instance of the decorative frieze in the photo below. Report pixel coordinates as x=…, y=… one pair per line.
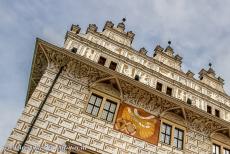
x=58, y=139
x=88, y=123
x=97, y=144
x=61, y=113
x=55, y=128
x=114, y=133
x=74, y=85
x=111, y=149
x=93, y=134
x=75, y=118
x=132, y=148
x=126, y=138
x=35, y=141
x=80, y=129
x=46, y=135
x=66, y=123
x=73, y=108
x=52, y=118
x=26, y=118
x=101, y=128
x=60, y=103
x=107, y=139
x=139, y=143
x=83, y=139
x=17, y=135
x=49, y=108
x=78, y=95
x=57, y=94
x=65, y=89
x=69, y=99
x=34, y=102
x=42, y=123
x=119, y=143
x=69, y=133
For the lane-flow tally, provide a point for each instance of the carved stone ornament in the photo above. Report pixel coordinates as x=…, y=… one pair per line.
x=73, y=68
x=39, y=66
x=201, y=124
x=143, y=99
x=92, y=27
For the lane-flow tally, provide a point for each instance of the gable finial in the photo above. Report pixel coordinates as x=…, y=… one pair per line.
x=169, y=42
x=123, y=20
x=210, y=65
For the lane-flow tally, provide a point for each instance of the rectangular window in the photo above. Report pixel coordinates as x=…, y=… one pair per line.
x=113, y=65
x=102, y=60
x=217, y=113
x=226, y=151
x=178, y=138
x=215, y=149
x=209, y=109
x=94, y=105
x=189, y=101
x=159, y=86
x=169, y=91
x=166, y=133
x=109, y=111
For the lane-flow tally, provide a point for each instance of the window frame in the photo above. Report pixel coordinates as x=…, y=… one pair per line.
x=113, y=63
x=170, y=89
x=216, y=145
x=102, y=58
x=217, y=113
x=178, y=139
x=105, y=97
x=159, y=83
x=108, y=110
x=165, y=133
x=223, y=146
x=94, y=105
x=209, y=109
x=174, y=125
x=226, y=150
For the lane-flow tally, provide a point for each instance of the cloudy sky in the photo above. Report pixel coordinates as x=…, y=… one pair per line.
x=199, y=31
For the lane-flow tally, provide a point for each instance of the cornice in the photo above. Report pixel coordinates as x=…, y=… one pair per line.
x=133, y=82
x=155, y=61
x=145, y=69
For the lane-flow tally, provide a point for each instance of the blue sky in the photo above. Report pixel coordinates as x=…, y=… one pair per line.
x=199, y=31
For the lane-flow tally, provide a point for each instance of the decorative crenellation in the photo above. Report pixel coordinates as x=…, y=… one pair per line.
x=180, y=90
x=186, y=79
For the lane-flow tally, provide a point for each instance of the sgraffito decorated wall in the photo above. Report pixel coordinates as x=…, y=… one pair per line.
x=137, y=123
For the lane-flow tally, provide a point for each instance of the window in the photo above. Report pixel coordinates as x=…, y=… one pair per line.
x=166, y=131
x=102, y=60
x=113, y=65
x=109, y=111
x=217, y=113
x=215, y=149
x=189, y=101
x=94, y=105
x=137, y=77
x=172, y=134
x=178, y=138
x=102, y=107
x=209, y=109
x=226, y=151
x=159, y=86
x=169, y=91
x=74, y=50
